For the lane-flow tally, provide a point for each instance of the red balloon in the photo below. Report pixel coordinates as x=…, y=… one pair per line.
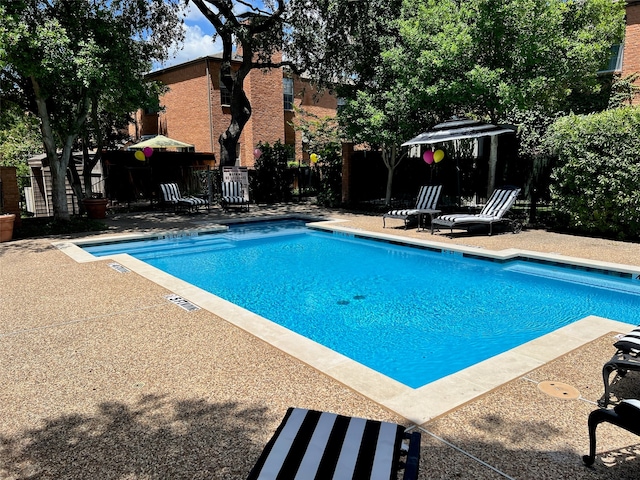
x=428, y=157
x=147, y=151
x=256, y=153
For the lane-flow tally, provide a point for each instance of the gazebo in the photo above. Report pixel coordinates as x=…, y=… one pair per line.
x=458, y=129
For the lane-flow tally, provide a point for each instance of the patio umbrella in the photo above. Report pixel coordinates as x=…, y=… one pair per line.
x=457, y=129
x=162, y=142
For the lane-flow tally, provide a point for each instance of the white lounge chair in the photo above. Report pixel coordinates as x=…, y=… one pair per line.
x=312, y=444
x=493, y=212
x=234, y=195
x=425, y=204
x=171, y=195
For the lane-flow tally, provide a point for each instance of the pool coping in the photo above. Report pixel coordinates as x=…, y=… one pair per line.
x=416, y=405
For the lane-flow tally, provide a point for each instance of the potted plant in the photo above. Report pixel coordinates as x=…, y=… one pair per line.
x=96, y=206
x=6, y=226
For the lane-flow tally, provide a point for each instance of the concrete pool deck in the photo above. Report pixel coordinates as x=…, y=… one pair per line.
x=102, y=377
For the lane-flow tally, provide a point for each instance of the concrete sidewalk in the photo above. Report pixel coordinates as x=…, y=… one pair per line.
x=102, y=377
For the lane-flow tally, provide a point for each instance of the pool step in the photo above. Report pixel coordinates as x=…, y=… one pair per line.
x=163, y=247
x=608, y=282
x=183, y=250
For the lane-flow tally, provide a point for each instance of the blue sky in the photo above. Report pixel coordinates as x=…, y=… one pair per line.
x=198, y=40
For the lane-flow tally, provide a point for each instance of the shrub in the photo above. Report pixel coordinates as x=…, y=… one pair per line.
x=596, y=183
x=270, y=183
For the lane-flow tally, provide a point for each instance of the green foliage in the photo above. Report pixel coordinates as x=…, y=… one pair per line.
x=270, y=182
x=19, y=139
x=596, y=185
x=67, y=61
x=494, y=57
x=330, y=171
x=338, y=43
x=258, y=29
x=323, y=138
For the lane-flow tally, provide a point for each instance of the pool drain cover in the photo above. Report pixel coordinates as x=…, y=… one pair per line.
x=181, y=302
x=559, y=390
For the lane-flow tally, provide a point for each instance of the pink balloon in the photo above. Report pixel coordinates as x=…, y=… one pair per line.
x=147, y=151
x=257, y=153
x=428, y=157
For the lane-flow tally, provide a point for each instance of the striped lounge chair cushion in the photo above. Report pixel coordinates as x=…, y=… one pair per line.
x=170, y=192
x=467, y=218
x=402, y=213
x=321, y=445
x=233, y=193
x=630, y=341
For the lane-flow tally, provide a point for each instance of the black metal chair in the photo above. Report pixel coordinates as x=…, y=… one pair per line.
x=624, y=415
x=311, y=444
x=625, y=359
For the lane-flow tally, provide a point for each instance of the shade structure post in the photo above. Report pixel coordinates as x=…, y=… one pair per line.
x=493, y=161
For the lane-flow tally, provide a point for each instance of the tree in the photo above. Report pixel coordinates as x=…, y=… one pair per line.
x=19, y=138
x=341, y=46
x=59, y=58
x=323, y=138
x=489, y=59
x=259, y=32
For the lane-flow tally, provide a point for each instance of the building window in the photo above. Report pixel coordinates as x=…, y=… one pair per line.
x=614, y=63
x=341, y=103
x=287, y=87
x=225, y=94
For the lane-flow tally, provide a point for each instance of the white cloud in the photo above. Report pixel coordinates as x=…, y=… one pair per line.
x=196, y=44
x=193, y=15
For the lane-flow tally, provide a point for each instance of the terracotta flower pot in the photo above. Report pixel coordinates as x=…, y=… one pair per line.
x=96, y=207
x=6, y=227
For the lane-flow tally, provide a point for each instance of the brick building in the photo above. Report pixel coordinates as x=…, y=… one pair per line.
x=196, y=107
x=631, y=51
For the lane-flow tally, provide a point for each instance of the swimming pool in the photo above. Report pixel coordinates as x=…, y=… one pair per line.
x=413, y=314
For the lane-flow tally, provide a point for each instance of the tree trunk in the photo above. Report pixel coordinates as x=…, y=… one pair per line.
x=90, y=162
x=76, y=184
x=240, y=114
x=391, y=161
x=58, y=164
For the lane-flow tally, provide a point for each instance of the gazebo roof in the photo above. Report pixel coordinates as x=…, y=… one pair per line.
x=457, y=129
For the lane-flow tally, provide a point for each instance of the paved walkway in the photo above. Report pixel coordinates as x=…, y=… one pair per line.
x=101, y=377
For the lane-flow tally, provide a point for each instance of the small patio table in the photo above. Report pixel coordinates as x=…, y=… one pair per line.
x=422, y=218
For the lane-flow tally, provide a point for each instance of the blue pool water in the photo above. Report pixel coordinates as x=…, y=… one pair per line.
x=412, y=314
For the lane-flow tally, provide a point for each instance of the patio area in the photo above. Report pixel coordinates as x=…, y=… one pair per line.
x=102, y=377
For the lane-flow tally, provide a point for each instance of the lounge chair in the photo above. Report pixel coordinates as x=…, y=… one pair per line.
x=425, y=205
x=625, y=415
x=171, y=195
x=626, y=358
x=312, y=444
x=234, y=195
x=493, y=212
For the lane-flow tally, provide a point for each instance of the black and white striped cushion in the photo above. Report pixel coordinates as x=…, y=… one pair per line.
x=320, y=445
x=170, y=192
x=402, y=213
x=629, y=342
